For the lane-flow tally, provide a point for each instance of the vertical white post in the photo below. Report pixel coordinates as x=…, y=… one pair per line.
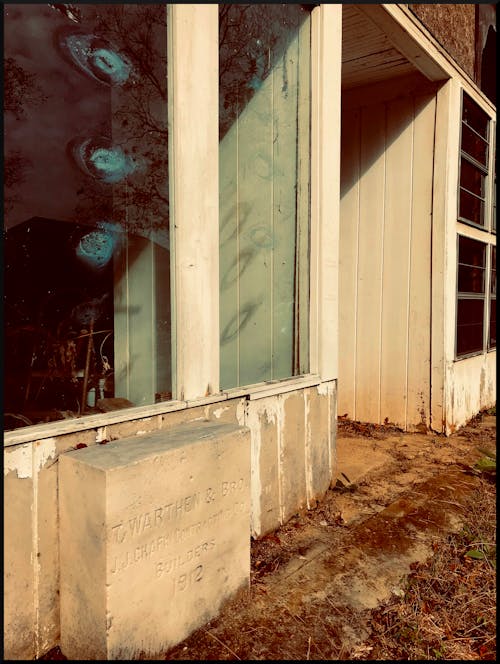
x=193, y=171
x=325, y=187
x=444, y=262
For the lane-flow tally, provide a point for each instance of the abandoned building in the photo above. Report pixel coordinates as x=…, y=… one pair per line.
x=223, y=226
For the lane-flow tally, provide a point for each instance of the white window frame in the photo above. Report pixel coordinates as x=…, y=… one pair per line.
x=193, y=56
x=485, y=234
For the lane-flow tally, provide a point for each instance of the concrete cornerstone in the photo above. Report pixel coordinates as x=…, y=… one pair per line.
x=154, y=536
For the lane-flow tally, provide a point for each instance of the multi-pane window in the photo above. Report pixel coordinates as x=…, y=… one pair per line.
x=473, y=163
x=476, y=273
x=492, y=339
x=86, y=238
x=494, y=189
x=264, y=134
x=471, y=295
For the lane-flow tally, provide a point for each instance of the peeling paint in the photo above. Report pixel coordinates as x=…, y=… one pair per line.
x=252, y=421
x=45, y=450
x=241, y=412
x=265, y=411
x=273, y=410
x=19, y=460
x=482, y=381
x=323, y=389
x=100, y=434
x=220, y=411
x=307, y=447
x=471, y=389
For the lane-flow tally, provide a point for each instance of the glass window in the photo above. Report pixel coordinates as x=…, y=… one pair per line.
x=471, y=295
x=473, y=163
x=493, y=278
x=474, y=117
x=471, y=265
x=472, y=178
x=492, y=341
x=474, y=145
x=493, y=324
x=264, y=123
x=470, y=326
x=494, y=191
x=476, y=302
x=471, y=208
x=86, y=237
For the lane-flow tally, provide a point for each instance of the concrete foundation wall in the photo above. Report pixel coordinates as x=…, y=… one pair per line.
x=471, y=387
x=292, y=464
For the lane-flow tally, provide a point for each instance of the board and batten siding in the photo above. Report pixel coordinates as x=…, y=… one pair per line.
x=385, y=261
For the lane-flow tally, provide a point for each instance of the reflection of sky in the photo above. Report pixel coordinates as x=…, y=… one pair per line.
x=41, y=135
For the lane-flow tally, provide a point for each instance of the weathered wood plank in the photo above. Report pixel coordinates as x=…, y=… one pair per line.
x=395, y=281
x=348, y=260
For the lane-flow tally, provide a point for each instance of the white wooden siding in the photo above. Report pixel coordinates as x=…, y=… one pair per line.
x=385, y=263
x=370, y=263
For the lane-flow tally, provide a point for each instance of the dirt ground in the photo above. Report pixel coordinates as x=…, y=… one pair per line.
x=358, y=577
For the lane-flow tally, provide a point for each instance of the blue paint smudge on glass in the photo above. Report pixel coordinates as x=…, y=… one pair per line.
x=111, y=64
x=97, y=58
x=102, y=160
x=113, y=164
x=96, y=248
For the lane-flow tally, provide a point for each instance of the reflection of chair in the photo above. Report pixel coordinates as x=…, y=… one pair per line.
x=60, y=315
x=70, y=362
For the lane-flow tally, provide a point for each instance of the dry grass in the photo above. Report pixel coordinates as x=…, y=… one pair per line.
x=448, y=610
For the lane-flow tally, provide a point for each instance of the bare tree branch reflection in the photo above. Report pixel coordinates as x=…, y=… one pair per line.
x=250, y=42
x=139, y=126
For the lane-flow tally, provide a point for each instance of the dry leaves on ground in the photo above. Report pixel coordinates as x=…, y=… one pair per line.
x=448, y=610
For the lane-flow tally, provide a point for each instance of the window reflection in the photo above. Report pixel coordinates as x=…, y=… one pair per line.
x=264, y=130
x=470, y=326
x=86, y=237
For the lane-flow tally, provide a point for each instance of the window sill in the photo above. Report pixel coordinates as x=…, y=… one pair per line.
x=61, y=427
x=475, y=354
x=38, y=432
x=273, y=387
x=471, y=224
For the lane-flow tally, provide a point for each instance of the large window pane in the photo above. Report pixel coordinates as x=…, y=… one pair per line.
x=493, y=271
x=494, y=193
x=474, y=116
x=471, y=265
x=493, y=323
x=471, y=208
x=472, y=178
x=474, y=145
x=470, y=326
x=493, y=299
x=264, y=107
x=87, y=295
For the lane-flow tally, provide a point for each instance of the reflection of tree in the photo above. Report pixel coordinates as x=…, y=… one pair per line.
x=139, y=119
x=20, y=89
x=250, y=42
x=15, y=169
x=20, y=92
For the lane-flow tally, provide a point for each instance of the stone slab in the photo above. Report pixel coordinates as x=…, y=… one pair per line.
x=356, y=457
x=154, y=536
